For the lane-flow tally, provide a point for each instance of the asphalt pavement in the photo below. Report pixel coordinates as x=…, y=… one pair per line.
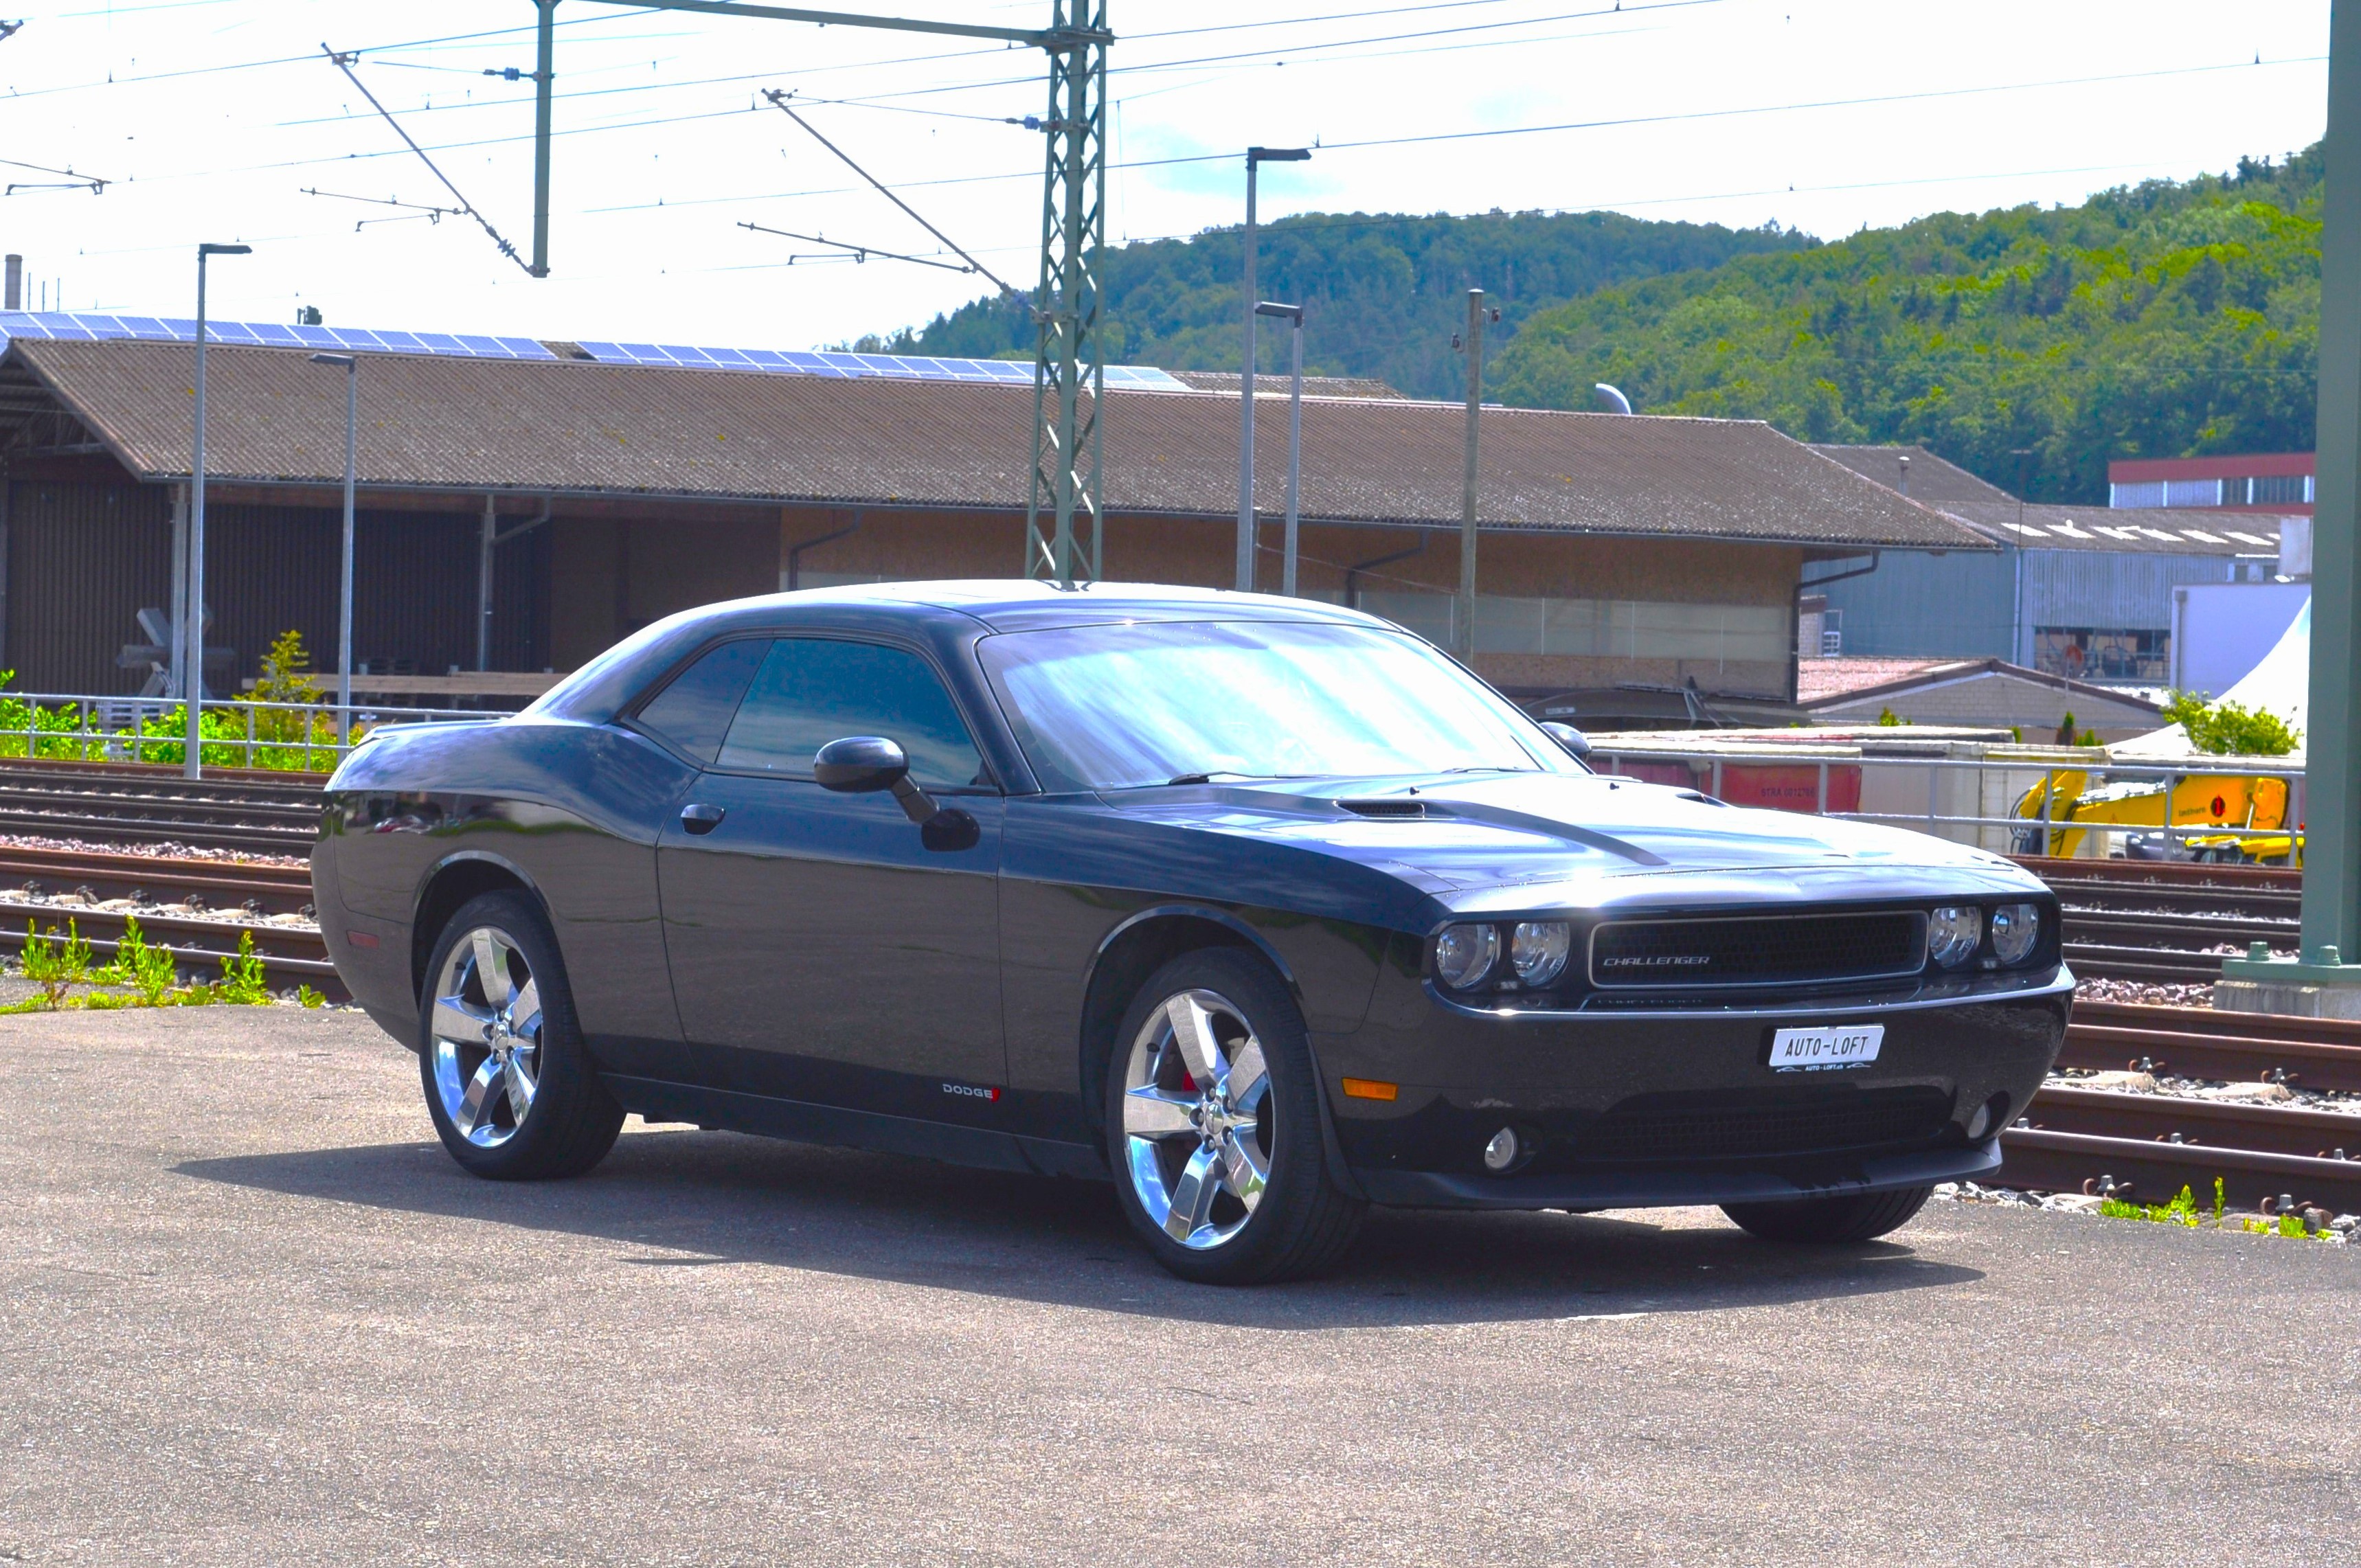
x=250, y=1313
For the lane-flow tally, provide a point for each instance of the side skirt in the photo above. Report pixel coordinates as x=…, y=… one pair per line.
x=801, y=1121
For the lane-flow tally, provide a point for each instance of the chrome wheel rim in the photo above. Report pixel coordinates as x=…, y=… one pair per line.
x=487, y=1037
x=1198, y=1129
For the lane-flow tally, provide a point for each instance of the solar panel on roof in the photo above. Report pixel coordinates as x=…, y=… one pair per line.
x=92, y=325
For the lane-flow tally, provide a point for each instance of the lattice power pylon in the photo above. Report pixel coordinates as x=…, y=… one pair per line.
x=1068, y=365
x=1069, y=370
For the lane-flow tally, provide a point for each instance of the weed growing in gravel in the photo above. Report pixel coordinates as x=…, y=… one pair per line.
x=57, y=966
x=2183, y=1211
x=148, y=972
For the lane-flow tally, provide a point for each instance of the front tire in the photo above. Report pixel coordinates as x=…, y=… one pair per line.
x=1214, y=1127
x=1825, y=1221
x=509, y=1084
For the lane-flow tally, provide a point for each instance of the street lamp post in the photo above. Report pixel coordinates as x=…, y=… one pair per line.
x=351, y=365
x=1294, y=314
x=1256, y=157
x=194, y=631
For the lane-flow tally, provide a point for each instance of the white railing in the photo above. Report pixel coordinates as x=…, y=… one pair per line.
x=291, y=737
x=1972, y=799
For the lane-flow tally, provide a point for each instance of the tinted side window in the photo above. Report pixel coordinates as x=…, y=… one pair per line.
x=811, y=691
x=693, y=713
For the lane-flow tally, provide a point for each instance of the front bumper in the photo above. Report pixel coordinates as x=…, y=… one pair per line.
x=1616, y=1109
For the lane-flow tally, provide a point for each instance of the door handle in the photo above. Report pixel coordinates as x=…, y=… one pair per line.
x=701, y=819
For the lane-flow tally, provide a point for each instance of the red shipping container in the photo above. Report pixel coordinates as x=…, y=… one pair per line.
x=1791, y=788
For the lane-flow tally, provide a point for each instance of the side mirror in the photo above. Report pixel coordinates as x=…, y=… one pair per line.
x=860, y=765
x=1567, y=736
x=864, y=764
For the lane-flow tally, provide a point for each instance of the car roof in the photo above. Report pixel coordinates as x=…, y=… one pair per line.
x=1016, y=604
x=604, y=685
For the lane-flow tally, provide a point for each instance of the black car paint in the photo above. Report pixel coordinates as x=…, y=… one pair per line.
x=836, y=979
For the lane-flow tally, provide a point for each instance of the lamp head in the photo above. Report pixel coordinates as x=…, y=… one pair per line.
x=341, y=361
x=225, y=250
x=1272, y=307
x=1277, y=155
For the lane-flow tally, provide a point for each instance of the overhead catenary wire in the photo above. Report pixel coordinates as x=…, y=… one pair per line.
x=70, y=180
x=779, y=101
x=860, y=252
x=416, y=209
x=343, y=63
x=899, y=60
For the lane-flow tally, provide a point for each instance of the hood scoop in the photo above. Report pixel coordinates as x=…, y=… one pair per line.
x=1388, y=808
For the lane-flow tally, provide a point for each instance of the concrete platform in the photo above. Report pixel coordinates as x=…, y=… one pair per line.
x=250, y=1313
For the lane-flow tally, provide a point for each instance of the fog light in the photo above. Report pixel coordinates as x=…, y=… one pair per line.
x=1988, y=1118
x=1464, y=955
x=2015, y=929
x=1502, y=1151
x=1953, y=934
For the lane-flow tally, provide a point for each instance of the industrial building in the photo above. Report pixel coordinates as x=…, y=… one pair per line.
x=2085, y=593
x=524, y=504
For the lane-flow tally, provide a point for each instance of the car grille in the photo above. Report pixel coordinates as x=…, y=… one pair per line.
x=1682, y=1127
x=1758, y=950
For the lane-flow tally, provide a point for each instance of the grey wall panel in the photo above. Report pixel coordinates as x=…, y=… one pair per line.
x=2111, y=592
x=1922, y=606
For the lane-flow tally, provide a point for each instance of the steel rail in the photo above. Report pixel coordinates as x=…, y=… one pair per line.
x=2149, y=1171
x=290, y=955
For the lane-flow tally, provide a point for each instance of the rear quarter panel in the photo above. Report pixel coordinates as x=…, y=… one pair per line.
x=571, y=810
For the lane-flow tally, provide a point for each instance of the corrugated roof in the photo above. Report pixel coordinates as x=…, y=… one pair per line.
x=1952, y=490
x=1268, y=384
x=1829, y=683
x=1818, y=679
x=1933, y=481
x=2141, y=530
x=577, y=427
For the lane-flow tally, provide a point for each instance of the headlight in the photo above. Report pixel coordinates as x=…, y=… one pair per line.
x=2015, y=927
x=1953, y=934
x=1464, y=955
x=1537, y=949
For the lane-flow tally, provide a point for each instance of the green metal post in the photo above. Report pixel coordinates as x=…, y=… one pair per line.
x=2332, y=856
x=2327, y=981
x=1069, y=374
x=544, y=74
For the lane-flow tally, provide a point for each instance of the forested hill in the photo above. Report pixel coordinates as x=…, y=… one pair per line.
x=1383, y=294
x=2160, y=320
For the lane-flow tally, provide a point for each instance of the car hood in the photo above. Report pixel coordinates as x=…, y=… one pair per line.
x=1524, y=839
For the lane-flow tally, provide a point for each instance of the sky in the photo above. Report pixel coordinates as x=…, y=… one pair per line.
x=222, y=120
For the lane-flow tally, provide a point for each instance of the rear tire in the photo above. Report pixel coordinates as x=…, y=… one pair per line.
x=509, y=1084
x=1826, y=1220
x=1214, y=1127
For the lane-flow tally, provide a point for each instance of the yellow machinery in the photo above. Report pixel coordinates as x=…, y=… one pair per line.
x=2066, y=799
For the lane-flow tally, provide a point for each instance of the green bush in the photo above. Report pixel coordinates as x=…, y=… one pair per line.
x=2229, y=728
x=284, y=742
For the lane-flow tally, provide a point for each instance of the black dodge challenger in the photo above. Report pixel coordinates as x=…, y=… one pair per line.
x=1264, y=908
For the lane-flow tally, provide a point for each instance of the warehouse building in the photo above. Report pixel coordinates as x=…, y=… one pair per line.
x=2080, y=592
x=598, y=486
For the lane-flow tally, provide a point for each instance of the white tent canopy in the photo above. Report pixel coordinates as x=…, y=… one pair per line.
x=2281, y=683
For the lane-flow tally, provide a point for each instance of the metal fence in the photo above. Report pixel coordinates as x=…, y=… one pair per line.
x=1980, y=799
x=278, y=736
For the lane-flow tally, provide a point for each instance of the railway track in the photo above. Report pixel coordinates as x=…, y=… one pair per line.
x=198, y=908
x=2073, y=1139
x=2168, y=922
x=143, y=803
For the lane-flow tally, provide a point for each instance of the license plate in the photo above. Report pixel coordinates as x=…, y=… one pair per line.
x=1806, y=1050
